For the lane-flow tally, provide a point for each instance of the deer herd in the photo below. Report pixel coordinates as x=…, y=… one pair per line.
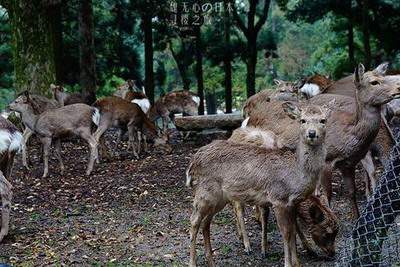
x=281, y=158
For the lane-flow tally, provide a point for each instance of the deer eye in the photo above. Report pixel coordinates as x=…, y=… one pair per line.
x=375, y=83
x=323, y=121
x=302, y=121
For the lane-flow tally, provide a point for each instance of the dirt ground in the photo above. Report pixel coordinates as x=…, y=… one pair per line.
x=128, y=212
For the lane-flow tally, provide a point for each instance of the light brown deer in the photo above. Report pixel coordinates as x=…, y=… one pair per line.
x=225, y=171
x=10, y=142
x=314, y=216
x=55, y=124
x=123, y=114
x=349, y=135
x=314, y=85
x=172, y=103
x=65, y=98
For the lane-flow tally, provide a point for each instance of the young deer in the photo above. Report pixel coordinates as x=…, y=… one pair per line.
x=318, y=219
x=120, y=113
x=10, y=143
x=349, y=134
x=172, y=103
x=65, y=98
x=268, y=177
x=55, y=124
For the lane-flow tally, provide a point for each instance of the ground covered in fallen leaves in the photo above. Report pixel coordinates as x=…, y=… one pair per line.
x=128, y=212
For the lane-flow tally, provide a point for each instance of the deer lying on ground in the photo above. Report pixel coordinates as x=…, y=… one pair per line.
x=55, y=124
x=10, y=143
x=349, y=135
x=314, y=85
x=65, y=98
x=117, y=112
x=278, y=178
x=42, y=104
x=174, y=102
x=315, y=217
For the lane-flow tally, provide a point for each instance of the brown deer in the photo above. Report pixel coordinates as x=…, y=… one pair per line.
x=55, y=124
x=124, y=88
x=349, y=135
x=65, y=98
x=10, y=142
x=314, y=85
x=315, y=217
x=174, y=102
x=123, y=114
x=279, y=178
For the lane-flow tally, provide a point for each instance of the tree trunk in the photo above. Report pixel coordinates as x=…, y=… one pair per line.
x=87, y=56
x=198, y=123
x=56, y=23
x=199, y=70
x=33, y=45
x=251, y=66
x=366, y=34
x=350, y=36
x=227, y=62
x=182, y=68
x=148, y=57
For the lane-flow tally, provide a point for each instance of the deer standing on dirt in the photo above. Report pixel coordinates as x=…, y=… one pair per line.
x=174, y=102
x=313, y=214
x=55, y=124
x=123, y=114
x=349, y=135
x=278, y=178
x=65, y=98
x=10, y=142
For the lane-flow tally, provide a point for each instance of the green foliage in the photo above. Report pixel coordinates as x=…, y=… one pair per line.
x=110, y=85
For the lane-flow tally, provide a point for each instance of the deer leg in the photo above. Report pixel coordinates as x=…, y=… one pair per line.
x=350, y=184
x=195, y=221
x=264, y=214
x=326, y=182
x=370, y=182
x=10, y=164
x=238, y=207
x=139, y=136
x=46, y=141
x=304, y=241
x=145, y=143
x=26, y=135
x=238, y=226
x=93, y=147
x=58, y=154
x=103, y=126
x=207, y=241
x=6, y=196
x=165, y=120
x=285, y=217
x=131, y=134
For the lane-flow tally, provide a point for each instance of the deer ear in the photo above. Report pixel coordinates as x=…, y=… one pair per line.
x=292, y=110
x=53, y=86
x=316, y=214
x=329, y=107
x=359, y=72
x=277, y=82
x=382, y=68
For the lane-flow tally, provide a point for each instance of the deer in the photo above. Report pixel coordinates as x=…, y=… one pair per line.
x=349, y=135
x=313, y=213
x=278, y=178
x=65, y=98
x=54, y=124
x=10, y=143
x=314, y=85
x=171, y=103
x=123, y=114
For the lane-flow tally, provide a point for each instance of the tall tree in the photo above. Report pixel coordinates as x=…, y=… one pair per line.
x=33, y=43
x=87, y=53
x=148, y=55
x=366, y=32
x=350, y=34
x=251, y=31
x=199, y=69
x=227, y=59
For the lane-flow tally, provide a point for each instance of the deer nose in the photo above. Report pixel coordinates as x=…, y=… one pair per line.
x=312, y=133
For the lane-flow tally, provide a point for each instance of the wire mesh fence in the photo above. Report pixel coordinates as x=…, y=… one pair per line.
x=375, y=238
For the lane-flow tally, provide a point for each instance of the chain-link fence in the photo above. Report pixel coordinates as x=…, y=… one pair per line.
x=375, y=238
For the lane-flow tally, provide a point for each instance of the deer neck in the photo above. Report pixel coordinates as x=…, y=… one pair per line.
x=310, y=161
x=29, y=118
x=367, y=121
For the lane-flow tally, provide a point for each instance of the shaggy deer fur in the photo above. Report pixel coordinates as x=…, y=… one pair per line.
x=55, y=124
x=123, y=114
x=314, y=85
x=172, y=103
x=349, y=135
x=6, y=196
x=268, y=177
x=315, y=217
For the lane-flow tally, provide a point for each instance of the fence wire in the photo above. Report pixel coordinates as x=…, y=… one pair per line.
x=375, y=238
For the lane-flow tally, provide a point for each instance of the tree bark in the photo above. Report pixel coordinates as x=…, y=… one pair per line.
x=227, y=61
x=182, y=68
x=148, y=56
x=251, y=66
x=350, y=35
x=57, y=27
x=366, y=34
x=32, y=45
x=87, y=56
x=221, y=121
x=199, y=70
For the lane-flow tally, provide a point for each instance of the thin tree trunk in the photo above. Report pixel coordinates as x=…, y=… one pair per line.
x=32, y=45
x=199, y=70
x=148, y=57
x=119, y=19
x=56, y=24
x=350, y=35
x=181, y=67
x=366, y=34
x=251, y=66
x=227, y=62
x=87, y=56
